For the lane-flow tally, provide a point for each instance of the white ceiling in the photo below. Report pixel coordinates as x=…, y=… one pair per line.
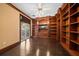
x=31, y=9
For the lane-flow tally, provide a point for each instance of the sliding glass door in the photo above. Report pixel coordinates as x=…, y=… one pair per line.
x=25, y=31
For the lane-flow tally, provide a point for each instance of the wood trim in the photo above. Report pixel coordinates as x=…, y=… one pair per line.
x=9, y=47
x=20, y=29
x=18, y=10
x=24, y=19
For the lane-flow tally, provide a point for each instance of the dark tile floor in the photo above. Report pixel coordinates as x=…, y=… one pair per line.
x=37, y=47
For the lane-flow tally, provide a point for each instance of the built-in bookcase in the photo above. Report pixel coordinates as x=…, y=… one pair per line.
x=70, y=27
x=74, y=27
x=34, y=23
x=65, y=25
x=58, y=17
x=52, y=27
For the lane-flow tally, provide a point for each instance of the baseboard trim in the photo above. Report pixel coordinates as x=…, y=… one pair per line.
x=9, y=47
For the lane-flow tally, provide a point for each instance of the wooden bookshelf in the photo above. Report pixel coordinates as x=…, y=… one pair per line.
x=34, y=23
x=58, y=17
x=74, y=27
x=65, y=25
x=52, y=27
x=43, y=27
x=70, y=28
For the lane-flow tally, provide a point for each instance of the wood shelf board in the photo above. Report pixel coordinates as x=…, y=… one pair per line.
x=66, y=37
x=75, y=14
x=65, y=13
x=74, y=32
x=75, y=41
x=74, y=23
x=52, y=26
x=65, y=25
x=71, y=52
x=52, y=23
x=74, y=5
x=66, y=31
x=65, y=18
x=53, y=34
x=64, y=5
x=53, y=29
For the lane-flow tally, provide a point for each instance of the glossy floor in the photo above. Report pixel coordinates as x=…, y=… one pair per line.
x=37, y=47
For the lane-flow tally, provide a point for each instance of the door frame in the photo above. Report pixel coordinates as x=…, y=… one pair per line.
x=26, y=20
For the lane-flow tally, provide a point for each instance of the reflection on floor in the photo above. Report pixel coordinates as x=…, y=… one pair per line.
x=37, y=47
